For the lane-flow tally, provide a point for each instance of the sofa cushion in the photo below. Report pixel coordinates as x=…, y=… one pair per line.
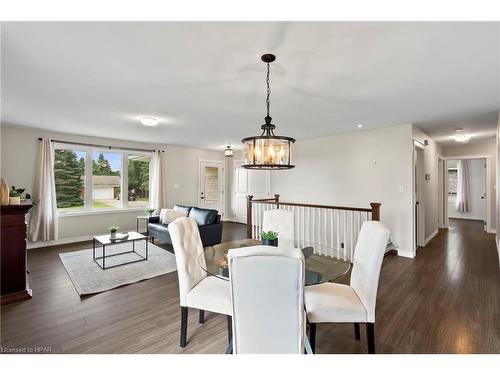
x=203, y=216
x=180, y=207
x=171, y=215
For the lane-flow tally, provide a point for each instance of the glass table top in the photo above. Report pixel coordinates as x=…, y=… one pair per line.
x=322, y=263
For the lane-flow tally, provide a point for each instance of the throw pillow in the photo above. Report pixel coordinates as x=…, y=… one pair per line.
x=171, y=215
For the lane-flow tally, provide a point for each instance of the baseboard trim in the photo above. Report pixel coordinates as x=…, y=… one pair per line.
x=492, y=231
x=428, y=239
x=62, y=241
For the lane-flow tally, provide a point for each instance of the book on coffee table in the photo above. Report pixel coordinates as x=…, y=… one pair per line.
x=120, y=236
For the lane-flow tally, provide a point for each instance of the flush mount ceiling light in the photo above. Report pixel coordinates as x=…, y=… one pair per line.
x=228, y=152
x=149, y=121
x=360, y=126
x=461, y=137
x=268, y=151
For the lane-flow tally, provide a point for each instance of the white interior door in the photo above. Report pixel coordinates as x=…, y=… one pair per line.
x=211, y=185
x=247, y=182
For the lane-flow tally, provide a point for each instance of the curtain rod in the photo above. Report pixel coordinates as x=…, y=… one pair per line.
x=101, y=146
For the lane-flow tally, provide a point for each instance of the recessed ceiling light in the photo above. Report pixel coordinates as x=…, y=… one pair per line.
x=149, y=121
x=460, y=136
x=360, y=125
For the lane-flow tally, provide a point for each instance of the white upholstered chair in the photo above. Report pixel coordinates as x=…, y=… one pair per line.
x=267, y=292
x=196, y=289
x=354, y=303
x=280, y=221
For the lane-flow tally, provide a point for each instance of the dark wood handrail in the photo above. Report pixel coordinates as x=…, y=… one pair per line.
x=314, y=205
x=374, y=208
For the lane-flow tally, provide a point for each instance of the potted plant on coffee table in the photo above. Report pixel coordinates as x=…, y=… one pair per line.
x=269, y=238
x=112, y=231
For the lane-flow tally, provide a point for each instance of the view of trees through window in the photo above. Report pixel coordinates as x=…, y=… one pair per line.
x=69, y=172
x=106, y=180
x=138, y=180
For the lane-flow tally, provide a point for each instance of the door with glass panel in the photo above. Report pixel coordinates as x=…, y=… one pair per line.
x=211, y=185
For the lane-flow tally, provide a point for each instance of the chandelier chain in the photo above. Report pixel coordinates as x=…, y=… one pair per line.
x=268, y=104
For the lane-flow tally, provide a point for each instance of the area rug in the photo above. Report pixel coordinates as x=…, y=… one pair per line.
x=89, y=278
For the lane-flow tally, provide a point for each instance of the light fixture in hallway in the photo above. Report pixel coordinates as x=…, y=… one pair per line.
x=461, y=137
x=149, y=121
x=268, y=151
x=228, y=152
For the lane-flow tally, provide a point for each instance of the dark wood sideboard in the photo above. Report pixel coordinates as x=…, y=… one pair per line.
x=14, y=277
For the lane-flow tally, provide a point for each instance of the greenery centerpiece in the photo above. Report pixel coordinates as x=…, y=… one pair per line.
x=112, y=231
x=269, y=238
x=149, y=211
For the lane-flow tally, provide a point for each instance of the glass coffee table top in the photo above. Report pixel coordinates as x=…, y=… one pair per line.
x=322, y=262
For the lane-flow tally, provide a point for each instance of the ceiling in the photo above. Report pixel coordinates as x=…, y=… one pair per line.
x=206, y=83
x=482, y=128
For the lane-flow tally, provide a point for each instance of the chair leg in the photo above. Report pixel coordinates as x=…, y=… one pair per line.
x=356, y=331
x=370, y=336
x=229, y=349
x=184, y=322
x=312, y=336
x=202, y=317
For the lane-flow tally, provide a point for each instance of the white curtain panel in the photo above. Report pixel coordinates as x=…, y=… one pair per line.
x=158, y=180
x=43, y=222
x=463, y=186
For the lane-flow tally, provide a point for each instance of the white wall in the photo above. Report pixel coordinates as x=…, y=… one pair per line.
x=19, y=149
x=353, y=170
x=480, y=150
x=476, y=172
x=431, y=186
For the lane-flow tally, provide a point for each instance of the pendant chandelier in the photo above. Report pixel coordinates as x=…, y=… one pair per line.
x=268, y=151
x=228, y=152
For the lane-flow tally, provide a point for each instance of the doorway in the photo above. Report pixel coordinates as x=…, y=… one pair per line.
x=247, y=182
x=467, y=189
x=211, y=185
x=419, y=195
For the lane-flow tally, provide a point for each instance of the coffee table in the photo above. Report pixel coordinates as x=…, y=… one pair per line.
x=105, y=241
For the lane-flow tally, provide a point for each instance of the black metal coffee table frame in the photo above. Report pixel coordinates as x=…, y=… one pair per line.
x=104, y=256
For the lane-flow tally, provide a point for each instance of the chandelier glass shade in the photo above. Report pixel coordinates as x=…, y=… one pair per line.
x=268, y=151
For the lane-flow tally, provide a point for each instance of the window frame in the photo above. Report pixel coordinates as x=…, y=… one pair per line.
x=87, y=199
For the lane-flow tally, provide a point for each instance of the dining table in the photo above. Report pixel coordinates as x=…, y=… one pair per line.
x=322, y=262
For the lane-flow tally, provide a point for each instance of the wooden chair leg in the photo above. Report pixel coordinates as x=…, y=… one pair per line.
x=356, y=331
x=202, y=317
x=370, y=336
x=312, y=336
x=184, y=322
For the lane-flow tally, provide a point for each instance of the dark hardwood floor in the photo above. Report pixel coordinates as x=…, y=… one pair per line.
x=446, y=300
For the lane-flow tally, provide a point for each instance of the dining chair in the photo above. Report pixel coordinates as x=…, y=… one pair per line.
x=267, y=293
x=354, y=303
x=280, y=221
x=196, y=289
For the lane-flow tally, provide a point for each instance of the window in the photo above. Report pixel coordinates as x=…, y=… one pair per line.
x=106, y=180
x=91, y=179
x=69, y=175
x=452, y=184
x=138, y=180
